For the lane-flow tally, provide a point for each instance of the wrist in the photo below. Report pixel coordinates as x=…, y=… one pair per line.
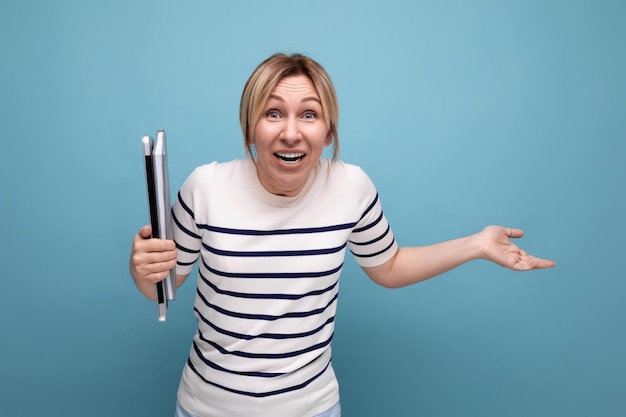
x=476, y=249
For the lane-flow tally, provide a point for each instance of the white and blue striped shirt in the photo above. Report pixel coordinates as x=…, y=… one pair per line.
x=268, y=284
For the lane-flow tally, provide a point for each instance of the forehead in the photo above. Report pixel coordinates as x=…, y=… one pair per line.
x=295, y=86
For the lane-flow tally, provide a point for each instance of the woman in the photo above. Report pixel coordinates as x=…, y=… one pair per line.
x=271, y=232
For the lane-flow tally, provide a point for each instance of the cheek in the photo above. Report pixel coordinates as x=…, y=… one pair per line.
x=263, y=133
x=257, y=135
x=325, y=138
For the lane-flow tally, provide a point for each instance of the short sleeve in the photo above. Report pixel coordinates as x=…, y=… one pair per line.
x=371, y=242
x=189, y=204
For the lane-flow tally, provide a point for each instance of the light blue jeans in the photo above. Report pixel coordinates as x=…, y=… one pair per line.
x=335, y=411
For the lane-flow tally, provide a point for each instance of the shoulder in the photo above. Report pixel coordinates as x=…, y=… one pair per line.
x=211, y=185
x=351, y=174
x=215, y=178
x=342, y=184
x=216, y=171
x=216, y=168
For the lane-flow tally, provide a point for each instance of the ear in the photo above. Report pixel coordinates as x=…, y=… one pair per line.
x=329, y=139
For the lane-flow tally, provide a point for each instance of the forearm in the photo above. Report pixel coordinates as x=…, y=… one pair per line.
x=411, y=265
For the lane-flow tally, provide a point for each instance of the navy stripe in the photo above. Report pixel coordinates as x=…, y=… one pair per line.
x=256, y=254
x=186, y=263
x=260, y=394
x=371, y=255
x=270, y=275
x=184, y=249
x=250, y=355
x=373, y=240
x=370, y=207
x=184, y=229
x=369, y=226
x=265, y=295
x=251, y=232
x=219, y=368
x=277, y=336
x=267, y=317
x=185, y=206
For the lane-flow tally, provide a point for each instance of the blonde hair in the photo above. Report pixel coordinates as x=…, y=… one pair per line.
x=264, y=79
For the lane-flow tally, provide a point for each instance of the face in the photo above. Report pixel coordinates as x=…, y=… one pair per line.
x=290, y=136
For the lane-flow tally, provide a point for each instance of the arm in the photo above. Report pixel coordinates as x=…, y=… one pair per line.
x=411, y=265
x=150, y=262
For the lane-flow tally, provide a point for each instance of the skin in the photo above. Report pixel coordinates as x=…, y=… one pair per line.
x=289, y=140
x=292, y=125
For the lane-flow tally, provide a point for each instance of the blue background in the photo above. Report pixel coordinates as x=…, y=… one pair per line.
x=464, y=113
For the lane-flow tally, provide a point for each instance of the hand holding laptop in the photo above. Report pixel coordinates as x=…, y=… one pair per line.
x=151, y=261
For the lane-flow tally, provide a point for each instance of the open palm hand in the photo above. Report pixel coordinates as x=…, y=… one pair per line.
x=496, y=246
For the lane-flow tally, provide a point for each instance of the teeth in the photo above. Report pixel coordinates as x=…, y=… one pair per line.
x=290, y=158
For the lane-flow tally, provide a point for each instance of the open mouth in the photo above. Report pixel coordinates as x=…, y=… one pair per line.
x=290, y=158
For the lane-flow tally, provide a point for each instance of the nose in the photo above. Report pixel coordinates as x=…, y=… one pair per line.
x=291, y=132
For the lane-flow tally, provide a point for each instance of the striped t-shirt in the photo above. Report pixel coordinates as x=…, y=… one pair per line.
x=268, y=281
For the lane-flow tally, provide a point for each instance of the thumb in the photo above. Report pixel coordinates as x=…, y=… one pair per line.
x=513, y=233
x=145, y=232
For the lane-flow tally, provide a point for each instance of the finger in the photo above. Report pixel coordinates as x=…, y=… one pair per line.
x=145, y=232
x=151, y=251
x=156, y=272
x=513, y=233
x=148, y=258
x=151, y=269
x=161, y=245
x=535, y=263
x=545, y=263
x=152, y=244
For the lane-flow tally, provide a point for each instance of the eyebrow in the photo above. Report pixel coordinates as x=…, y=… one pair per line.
x=308, y=98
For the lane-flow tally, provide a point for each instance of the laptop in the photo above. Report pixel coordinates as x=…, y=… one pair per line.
x=160, y=208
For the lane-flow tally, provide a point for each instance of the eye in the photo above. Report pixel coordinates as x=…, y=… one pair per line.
x=272, y=114
x=309, y=115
